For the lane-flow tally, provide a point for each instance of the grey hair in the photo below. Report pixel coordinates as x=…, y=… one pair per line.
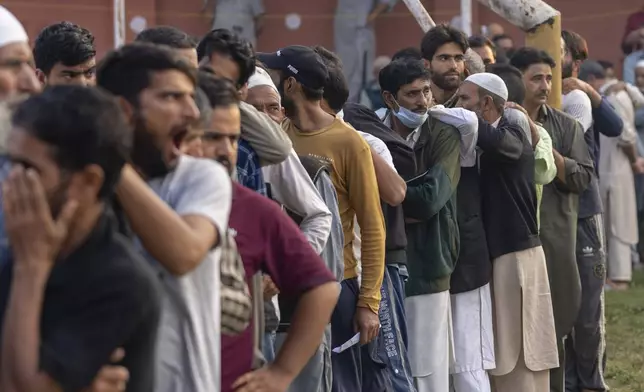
x=473, y=62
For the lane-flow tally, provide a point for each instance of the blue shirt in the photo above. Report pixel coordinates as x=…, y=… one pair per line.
x=249, y=171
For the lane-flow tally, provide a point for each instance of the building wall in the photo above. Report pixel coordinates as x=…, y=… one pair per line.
x=600, y=22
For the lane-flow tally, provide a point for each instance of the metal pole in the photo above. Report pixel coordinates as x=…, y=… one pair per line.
x=466, y=16
x=119, y=23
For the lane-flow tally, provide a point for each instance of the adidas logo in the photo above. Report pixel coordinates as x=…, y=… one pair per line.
x=587, y=250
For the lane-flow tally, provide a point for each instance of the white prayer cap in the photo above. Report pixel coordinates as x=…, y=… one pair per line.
x=11, y=29
x=490, y=82
x=640, y=64
x=261, y=78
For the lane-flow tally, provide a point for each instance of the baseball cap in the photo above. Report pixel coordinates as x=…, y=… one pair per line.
x=300, y=62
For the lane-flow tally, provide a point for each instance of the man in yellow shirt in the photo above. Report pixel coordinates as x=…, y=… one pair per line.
x=300, y=76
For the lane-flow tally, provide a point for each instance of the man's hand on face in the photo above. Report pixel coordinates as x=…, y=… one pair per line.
x=367, y=323
x=36, y=237
x=111, y=378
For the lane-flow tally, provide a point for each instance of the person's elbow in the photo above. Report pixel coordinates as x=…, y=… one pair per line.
x=190, y=255
x=325, y=296
x=395, y=195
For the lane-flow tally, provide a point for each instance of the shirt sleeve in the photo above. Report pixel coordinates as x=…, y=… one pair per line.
x=98, y=324
x=607, y=121
x=578, y=105
x=545, y=169
x=579, y=168
x=379, y=147
x=364, y=199
x=502, y=142
x=292, y=186
x=290, y=261
x=467, y=124
x=204, y=189
x=628, y=135
x=436, y=187
x=266, y=137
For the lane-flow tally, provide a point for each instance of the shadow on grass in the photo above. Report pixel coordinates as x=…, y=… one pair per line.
x=625, y=337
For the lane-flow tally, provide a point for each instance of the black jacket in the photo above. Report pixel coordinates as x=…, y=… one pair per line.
x=474, y=267
x=364, y=119
x=507, y=189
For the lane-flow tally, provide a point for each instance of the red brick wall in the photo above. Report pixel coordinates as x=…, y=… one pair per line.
x=600, y=22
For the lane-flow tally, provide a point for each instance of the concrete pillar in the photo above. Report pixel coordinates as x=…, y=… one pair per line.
x=542, y=25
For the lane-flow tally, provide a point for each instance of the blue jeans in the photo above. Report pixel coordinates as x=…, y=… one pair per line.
x=394, y=328
x=268, y=346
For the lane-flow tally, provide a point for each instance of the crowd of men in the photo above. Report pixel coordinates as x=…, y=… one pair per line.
x=189, y=215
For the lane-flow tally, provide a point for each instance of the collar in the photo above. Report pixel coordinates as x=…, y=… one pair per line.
x=543, y=114
x=412, y=138
x=496, y=123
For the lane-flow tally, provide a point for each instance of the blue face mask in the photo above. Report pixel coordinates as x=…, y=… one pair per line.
x=410, y=119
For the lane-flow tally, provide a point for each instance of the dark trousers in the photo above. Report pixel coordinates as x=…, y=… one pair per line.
x=394, y=328
x=585, y=346
x=357, y=368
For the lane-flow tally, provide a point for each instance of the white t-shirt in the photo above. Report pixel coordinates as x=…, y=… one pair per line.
x=188, y=349
x=577, y=104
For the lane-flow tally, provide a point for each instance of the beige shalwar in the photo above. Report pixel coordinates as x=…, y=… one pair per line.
x=524, y=326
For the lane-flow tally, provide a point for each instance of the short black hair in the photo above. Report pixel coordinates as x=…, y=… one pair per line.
x=401, y=72
x=167, y=35
x=327, y=56
x=439, y=36
x=336, y=89
x=513, y=81
x=499, y=37
x=127, y=71
x=479, y=41
x=408, y=53
x=523, y=58
x=63, y=42
x=225, y=42
x=576, y=45
x=606, y=64
x=83, y=126
x=221, y=92
x=591, y=68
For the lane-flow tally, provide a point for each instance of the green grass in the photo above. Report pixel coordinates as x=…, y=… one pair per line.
x=625, y=337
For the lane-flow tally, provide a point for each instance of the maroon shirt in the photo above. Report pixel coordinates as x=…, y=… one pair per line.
x=268, y=241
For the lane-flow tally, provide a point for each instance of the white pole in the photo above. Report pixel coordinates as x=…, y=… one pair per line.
x=420, y=13
x=119, y=23
x=466, y=16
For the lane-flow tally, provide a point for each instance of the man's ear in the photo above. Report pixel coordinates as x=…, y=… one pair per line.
x=389, y=100
x=128, y=110
x=41, y=76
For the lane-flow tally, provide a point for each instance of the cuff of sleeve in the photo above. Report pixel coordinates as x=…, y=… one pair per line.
x=570, y=165
x=369, y=303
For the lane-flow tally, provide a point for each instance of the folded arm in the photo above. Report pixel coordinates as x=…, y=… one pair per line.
x=178, y=241
x=575, y=170
x=607, y=121
x=467, y=124
x=266, y=137
x=436, y=187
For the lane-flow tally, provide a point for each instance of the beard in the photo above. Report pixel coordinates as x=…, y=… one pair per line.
x=287, y=103
x=566, y=70
x=443, y=83
x=146, y=156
